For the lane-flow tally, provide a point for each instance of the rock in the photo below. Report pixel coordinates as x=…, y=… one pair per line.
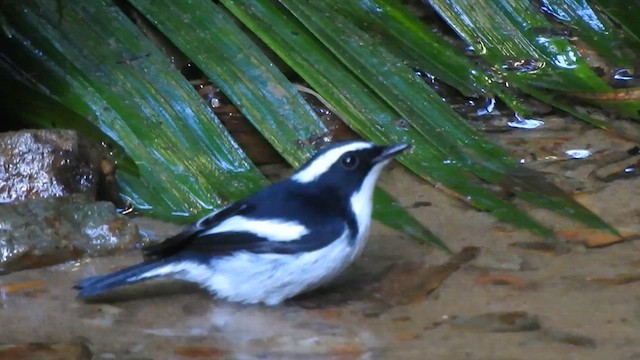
x=43, y=232
x=47, y=163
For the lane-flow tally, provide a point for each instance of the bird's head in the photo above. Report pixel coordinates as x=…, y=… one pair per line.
x=347, y=167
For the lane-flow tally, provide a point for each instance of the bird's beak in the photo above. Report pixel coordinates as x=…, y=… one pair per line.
x=390, y=151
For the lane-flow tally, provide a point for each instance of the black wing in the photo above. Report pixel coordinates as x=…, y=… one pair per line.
x=319, y=213
x=226, y=243
x=182, y=240
x=195, y=241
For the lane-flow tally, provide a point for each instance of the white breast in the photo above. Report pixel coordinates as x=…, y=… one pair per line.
x=264, y=278
x=270, y=278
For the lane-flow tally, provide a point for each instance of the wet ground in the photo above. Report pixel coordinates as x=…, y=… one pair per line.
x=519, y=298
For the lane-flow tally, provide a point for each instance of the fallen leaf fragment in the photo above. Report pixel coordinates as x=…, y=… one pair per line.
x=500, y=279
x=327, y=314
x=21, y=286
x=543, y=247
x=193, y=351
x=509, y=321
x=70, y=351
x=570, y=338
x=347, y=351
x=408, y=283
x=407, y=336
x=621, y=279
x=402, y=318
x=589, y=237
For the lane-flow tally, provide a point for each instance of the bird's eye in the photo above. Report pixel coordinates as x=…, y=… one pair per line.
x=350, y=161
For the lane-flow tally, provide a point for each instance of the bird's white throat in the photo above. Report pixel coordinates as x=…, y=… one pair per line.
x=362, y=205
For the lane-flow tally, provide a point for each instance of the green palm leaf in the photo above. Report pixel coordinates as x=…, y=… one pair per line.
x=86, y=65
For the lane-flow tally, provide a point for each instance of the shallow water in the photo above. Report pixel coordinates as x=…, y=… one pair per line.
x=578, y=303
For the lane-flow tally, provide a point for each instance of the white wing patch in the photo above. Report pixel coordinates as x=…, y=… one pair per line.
x=272, y=229
x=320, y=165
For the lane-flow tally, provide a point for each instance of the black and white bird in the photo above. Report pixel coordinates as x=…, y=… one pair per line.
x=287, y=238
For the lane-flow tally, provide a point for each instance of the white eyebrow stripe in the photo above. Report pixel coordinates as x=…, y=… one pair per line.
x=274, y=229
x=320, y=165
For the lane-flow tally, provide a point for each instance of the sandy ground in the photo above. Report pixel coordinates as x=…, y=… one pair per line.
x=561, y=302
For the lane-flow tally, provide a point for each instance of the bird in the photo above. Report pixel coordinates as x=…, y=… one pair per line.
x=290, y=237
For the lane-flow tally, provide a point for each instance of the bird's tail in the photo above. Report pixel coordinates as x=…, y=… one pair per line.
x=96, y=285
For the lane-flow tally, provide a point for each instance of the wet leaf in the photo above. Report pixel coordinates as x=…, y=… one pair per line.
x=371, y=116
x=554, y=62
x=589, y=237
x=146, y=106
x=585, y=22
x=39, y=110
x=118, y=80
x=404, y=34
x=622, y=279
x=330, y=46
x=543, y=247
x=407, y=336
x=22, y=286
x=393, y=215
x=509, y=321
x=130, y=91
x=193, y=351
x=45, y=351
x=399, y=27
x=399, y=87
x=347, y=351
x=623, y=13
x=500, y=279
x=326, y=314
x=214, y=42
x=569, y=338
x=562, y=203
x=407, y=283
x=537, y=54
